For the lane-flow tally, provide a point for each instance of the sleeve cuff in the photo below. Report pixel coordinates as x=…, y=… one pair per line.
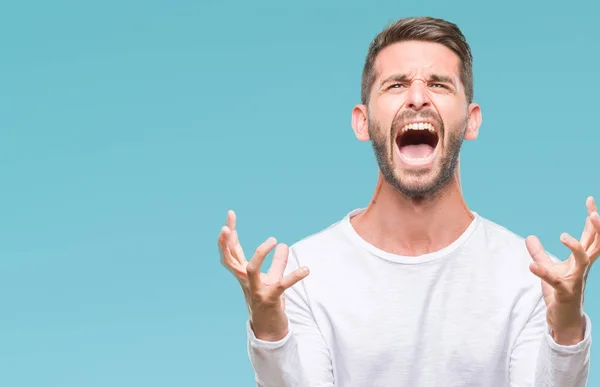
x=257, y=343
x=581, y=346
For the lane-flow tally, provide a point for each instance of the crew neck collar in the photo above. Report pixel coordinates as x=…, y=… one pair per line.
x=356, y=238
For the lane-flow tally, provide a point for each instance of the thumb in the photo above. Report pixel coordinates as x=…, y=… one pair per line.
x=536, y=250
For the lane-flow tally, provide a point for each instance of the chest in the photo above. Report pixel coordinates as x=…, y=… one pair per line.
x=413, y=327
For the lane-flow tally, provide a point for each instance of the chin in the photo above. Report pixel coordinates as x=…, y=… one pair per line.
x=417, y=186
x=421, y=182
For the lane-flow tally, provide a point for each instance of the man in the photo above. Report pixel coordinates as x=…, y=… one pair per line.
x=415, y=289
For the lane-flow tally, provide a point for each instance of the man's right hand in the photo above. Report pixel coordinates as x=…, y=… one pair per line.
x=263, y=292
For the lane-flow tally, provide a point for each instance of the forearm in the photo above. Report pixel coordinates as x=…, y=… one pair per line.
x=564, y=365
x=276, y=363
x=286, y=347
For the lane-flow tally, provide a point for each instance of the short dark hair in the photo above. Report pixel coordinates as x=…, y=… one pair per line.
x=425, y=29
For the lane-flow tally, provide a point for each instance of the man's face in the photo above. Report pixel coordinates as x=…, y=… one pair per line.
x=418, y=116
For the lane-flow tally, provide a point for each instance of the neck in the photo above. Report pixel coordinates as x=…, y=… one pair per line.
x=411, y=227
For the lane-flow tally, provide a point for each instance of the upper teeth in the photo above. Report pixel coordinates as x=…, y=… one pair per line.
x=419, y=126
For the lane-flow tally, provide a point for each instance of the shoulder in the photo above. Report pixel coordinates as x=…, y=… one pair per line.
x=325, y=246
x=507, y=250
x=326, y=239
x=501, y=238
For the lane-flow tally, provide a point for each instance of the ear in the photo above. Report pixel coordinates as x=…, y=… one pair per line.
x=360, y=122
x=474, y=122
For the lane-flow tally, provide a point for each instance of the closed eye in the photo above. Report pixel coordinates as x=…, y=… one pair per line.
x=439, y=85
x=395, y=86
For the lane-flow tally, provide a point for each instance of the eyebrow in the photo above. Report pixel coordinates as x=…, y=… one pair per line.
x=441, y=79
x=395, y=78
x=405, y=78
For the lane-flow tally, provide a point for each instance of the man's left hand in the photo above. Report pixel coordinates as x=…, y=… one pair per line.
x=563, y=283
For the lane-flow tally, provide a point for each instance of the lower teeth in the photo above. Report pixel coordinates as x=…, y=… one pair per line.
x=417, y=159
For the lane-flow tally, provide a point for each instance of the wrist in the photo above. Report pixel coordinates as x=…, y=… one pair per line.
x=570, y=335
x=269, y=325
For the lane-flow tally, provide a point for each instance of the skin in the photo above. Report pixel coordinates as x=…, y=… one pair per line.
x=416, y=210
x=395, y=221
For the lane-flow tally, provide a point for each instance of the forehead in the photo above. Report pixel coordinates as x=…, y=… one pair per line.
x=417, y=58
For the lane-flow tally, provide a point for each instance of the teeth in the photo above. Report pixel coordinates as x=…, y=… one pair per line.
x=419, y=126
x=417, y=159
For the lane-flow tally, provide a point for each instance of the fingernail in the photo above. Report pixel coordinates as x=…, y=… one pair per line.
x=597, y=216
x=534, y=266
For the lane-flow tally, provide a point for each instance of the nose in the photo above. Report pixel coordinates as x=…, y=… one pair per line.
x=417, y=97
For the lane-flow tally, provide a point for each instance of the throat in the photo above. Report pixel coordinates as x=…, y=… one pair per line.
x=399, y=225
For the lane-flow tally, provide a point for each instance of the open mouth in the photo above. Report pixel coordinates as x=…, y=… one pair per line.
x=417, y=141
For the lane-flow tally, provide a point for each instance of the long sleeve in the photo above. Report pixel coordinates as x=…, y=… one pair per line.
x=537, y=360
x=302, y=358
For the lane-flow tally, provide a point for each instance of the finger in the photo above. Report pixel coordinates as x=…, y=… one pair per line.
x=280, y=259
x=595, y=220
x=231, y=223
x=294, y=277
x=231, y=219
x=226, y=257
x=590, y=203
x=589, y=233
x=222, y=242
x=581, y=257
x=546, y=275
x=253, y=267
x=542, y=263
x=536, y=250
x=223, y=249
x=236, y=247
x=233, y=246
x=594, y=249
x=233, y=240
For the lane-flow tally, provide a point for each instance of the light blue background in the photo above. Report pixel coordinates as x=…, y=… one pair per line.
x=128, y=129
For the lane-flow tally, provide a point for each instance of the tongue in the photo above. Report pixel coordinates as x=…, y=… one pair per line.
x=416, y=151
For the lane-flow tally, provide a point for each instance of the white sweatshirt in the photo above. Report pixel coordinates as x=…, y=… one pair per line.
x=471, y=314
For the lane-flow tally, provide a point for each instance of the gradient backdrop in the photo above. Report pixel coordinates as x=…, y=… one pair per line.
x=129, y=128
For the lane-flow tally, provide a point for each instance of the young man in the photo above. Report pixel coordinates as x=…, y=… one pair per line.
x=415, y=289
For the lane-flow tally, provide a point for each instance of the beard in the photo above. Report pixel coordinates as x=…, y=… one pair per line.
x=448, y=153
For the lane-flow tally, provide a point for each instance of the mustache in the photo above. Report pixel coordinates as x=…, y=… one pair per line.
x=410, y=115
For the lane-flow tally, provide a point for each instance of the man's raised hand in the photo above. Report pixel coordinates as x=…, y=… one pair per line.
x=563, y=283
x=263, y=291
